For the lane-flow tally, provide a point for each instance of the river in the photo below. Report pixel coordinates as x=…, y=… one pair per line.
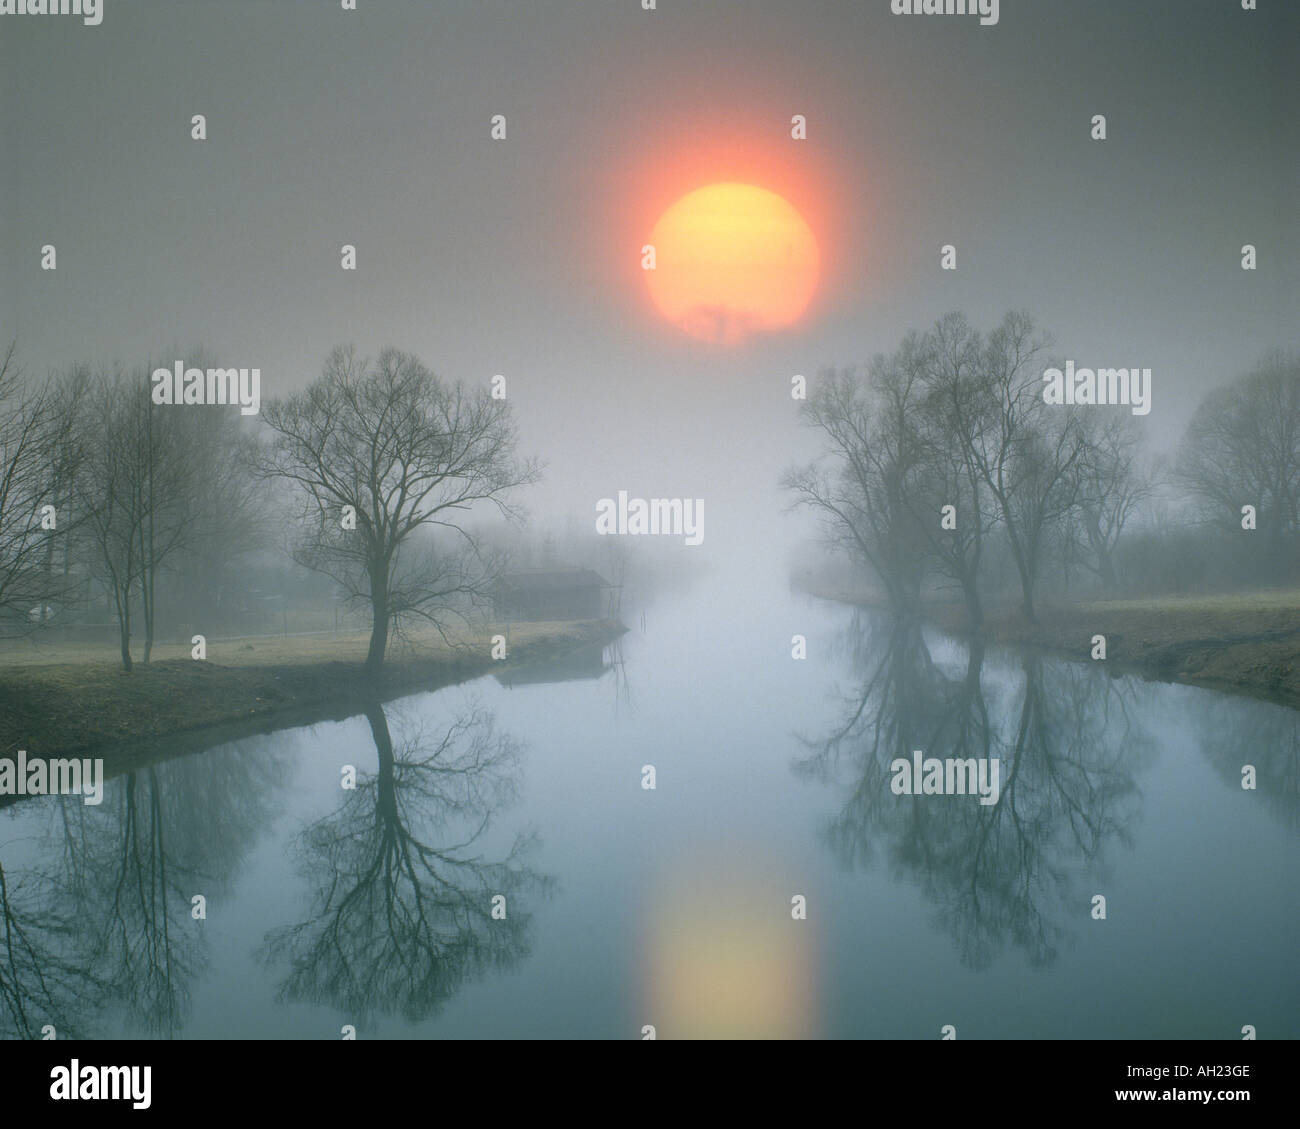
x=501, y=869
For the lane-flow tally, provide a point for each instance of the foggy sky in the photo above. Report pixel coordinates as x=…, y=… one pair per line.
x=522, y=257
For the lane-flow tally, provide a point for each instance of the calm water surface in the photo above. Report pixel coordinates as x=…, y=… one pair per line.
x=625, y=906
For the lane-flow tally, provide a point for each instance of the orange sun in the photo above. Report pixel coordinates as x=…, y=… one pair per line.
x=732, y=260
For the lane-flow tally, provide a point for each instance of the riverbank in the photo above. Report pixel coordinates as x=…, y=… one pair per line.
x=1244, y=643
x=51, y=705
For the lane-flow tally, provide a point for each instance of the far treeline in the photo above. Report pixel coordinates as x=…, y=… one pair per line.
x=944, y=467
x=367, y=478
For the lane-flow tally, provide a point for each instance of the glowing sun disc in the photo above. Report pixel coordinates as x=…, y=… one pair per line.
x=732, y=260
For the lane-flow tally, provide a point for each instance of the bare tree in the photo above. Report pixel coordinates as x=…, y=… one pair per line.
x=107, y=495
x=215, y=512
x=952, y=418
x=379, y=453
x=1242, y=447
x=1113, y=480
x=37, y=465
x=1024, y=449
x=168, y=484
x=874, y=452
x=137, y=495
x=951, y=422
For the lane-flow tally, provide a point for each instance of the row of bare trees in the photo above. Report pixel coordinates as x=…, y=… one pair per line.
x=380, y=463
x=102, y=485
x=159, y=488
x=946, y=446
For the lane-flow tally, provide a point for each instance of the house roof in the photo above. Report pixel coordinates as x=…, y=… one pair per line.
x=552, y=579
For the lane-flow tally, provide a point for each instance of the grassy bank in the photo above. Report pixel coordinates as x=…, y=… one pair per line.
x=64, y=699
x=1247, y=643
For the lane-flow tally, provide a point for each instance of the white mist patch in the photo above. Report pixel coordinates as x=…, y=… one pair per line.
x=678, y=517
x=179, y=385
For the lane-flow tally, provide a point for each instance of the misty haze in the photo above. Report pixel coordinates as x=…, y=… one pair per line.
x=574, y=520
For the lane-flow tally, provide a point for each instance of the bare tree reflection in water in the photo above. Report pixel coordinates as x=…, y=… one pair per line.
x=622, y=680
x=1069, y=748
x=104, y=923
x=401, y=912
x=43, y=977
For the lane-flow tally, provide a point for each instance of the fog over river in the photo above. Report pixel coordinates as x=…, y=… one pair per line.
x=501, y=870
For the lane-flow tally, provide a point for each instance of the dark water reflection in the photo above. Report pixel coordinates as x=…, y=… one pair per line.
x=374, y=906
x=1070, y=746
x=401, y=906
x=100, y=918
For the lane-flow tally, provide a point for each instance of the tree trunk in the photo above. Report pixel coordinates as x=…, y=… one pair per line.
x=1108, y=578
x=148, y=559
x=1105, y=565
x=146, y=592
x=1027, y=604
x=379, y=617
x=386, y=778
x=1026, y=582
x=974, y=608
x=124, y=624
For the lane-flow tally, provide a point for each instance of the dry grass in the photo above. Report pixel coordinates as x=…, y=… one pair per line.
x=74, y=699
x=1248, y=642
x=1235, y=603
x=259, y=650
